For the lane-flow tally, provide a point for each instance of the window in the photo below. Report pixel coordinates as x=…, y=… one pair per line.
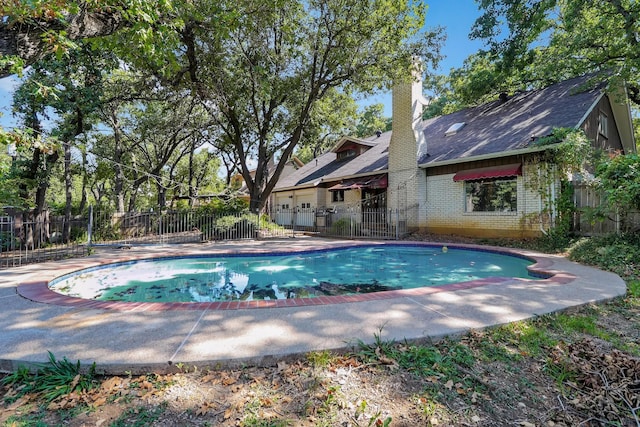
x=603, y=125
x=285, y=206
x=491, y=195
x=337, y=196
x=454, y=128
x=345, y=154
x=305, y=205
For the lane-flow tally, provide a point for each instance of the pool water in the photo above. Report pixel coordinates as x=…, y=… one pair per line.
x=295, y=275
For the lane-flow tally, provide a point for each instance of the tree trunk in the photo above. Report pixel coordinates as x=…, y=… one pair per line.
x=66, y=230
x=192, y=190
x=119, y=178
x=28, y=40
x=41, y=217
x=85, y=182
x=133, y=198
x=162, y=197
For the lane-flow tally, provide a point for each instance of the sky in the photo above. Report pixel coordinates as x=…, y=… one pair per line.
x=456, y=17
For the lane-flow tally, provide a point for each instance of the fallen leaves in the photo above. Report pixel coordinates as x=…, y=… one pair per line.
x=604, y=383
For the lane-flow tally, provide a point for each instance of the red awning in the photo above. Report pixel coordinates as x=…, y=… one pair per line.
x=491, y=172
x=379, y=181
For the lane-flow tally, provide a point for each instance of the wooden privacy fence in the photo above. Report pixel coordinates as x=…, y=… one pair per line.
x=586, y=199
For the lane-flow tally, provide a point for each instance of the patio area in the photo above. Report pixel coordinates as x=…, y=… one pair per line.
x=139, y=339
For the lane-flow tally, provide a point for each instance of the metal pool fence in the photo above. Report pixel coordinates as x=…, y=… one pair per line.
x=353, y=222
x=26, y=241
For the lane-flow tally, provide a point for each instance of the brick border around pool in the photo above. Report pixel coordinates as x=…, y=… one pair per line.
x=38, y=291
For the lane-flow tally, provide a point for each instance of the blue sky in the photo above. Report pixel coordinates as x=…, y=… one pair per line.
x=456, y=16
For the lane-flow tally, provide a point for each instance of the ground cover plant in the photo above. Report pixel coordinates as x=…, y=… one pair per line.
x=579, y=367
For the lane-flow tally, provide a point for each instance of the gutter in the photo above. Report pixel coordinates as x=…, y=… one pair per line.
x=485, y=157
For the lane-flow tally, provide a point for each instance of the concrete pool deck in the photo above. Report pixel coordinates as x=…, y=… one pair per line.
x=122, y=337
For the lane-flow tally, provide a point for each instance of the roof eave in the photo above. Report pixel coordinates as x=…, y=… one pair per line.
x=299, y=187
x=351, y=139
x=486, y=157
x=325, y=180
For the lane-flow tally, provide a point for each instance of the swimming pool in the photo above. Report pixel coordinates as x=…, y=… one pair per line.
x=282, y=276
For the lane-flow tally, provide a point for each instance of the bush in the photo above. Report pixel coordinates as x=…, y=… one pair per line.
x=345, y=227
x=617, y=253
x=236, y=226
x=223, y=207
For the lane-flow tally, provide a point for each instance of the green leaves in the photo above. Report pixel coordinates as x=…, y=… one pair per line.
x=53, y=379
x=619, y=178
x=546, y=41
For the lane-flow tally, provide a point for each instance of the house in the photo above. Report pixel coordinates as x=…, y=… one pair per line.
x=465, y=173
x=238, y=182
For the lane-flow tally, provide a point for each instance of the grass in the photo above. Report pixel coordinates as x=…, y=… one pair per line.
x=52, y=380
x=30, y=418
x=320, y=359
x=139, y=416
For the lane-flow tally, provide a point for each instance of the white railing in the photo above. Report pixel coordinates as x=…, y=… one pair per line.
x=23, y=242
x=348, y=222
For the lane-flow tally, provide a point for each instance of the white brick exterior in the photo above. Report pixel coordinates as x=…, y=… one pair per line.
x=406, y=182
x=446, y=214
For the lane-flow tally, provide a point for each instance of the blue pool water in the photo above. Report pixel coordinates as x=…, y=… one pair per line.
x=299, y=275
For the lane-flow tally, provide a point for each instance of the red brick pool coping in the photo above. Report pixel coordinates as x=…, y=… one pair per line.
x=38, y=291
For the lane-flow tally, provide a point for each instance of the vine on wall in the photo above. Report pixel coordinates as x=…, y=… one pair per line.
x=551, y=171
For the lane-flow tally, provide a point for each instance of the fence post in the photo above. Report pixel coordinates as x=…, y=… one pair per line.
x=259, y=226
x=350, y=223
x=294, y=217
x=397, y=224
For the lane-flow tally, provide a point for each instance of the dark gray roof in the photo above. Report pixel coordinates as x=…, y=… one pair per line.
x=327, y=168
x=500, y=127
x=494, y=128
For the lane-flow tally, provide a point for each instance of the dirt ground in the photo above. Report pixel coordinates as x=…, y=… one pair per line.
x=502, y=386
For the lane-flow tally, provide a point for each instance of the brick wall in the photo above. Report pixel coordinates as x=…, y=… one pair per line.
x=445, y=211
x=404, y=176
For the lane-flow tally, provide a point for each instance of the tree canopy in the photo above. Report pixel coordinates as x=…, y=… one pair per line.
x=533, y=43
x=267, y=75
x=260, y=68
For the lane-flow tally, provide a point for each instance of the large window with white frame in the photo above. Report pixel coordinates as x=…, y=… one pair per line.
x=491, y=195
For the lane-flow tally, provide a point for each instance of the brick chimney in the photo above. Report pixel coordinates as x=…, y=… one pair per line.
x=407, y=184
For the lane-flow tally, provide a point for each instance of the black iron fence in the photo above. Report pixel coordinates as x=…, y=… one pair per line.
x=24, y=241
x=181, y=227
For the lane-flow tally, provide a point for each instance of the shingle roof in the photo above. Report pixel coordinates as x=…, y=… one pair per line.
x=328, y=168
x=499, y=127
x=493, y=128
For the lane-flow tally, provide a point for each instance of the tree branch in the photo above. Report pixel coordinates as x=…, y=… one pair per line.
x=26, y=39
